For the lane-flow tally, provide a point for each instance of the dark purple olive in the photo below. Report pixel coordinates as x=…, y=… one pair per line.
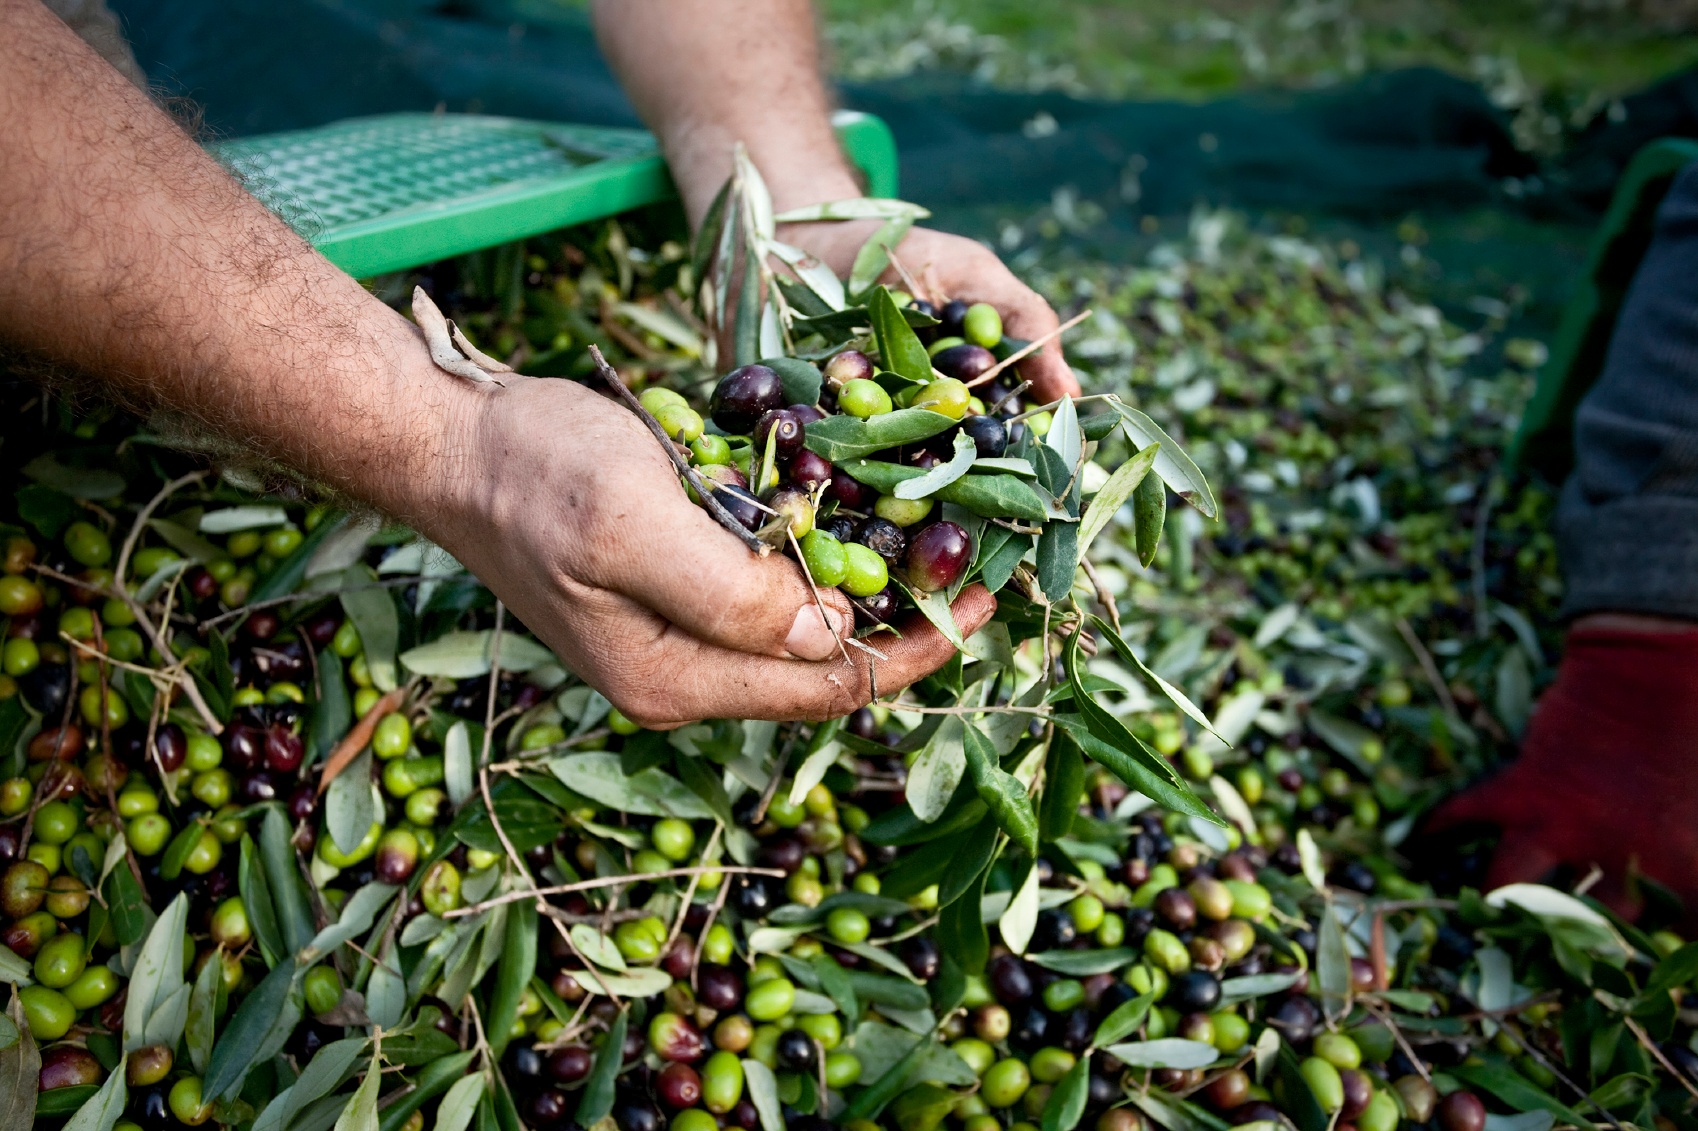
x=1229, y=1090
x=679, y=1086
x=806, y=413
x=1358, y=1090
x=780, y=423
x=570, y=1064
x=1073, y=1029
x=883, y=538
x=282, y=659
x=743, y=396
x=283, y=749
x=1256, y=1111
x=548, y=1108
x=1139, y=921
x=783, y=852
x=848, y=492
x=67, y=1066
x=744, y=1115
x=262, y=625
x=840, y=527
x=1010, y=981
x=46, y=688
x=1031, y=1027
x=244, y=746
x=862, y=723
x=1177, y=907
x=1296, y=1018
x=1194, y=991
x=631, y=1112
x=850, y=365
x=1055, y=929
x=964, y=362
x=151, y=1108
x=170, y=747
x=202, y=585
x=952, y=319
x=719, y=987
x=796, y=1050
x=938, y=555
x=809, y=469
x=880, y=608
x=258, y=786
x=751, y=897
x=1354, y=874
x=1461, y=1111
x=922, y=957
x=320, y=628
x=742, y=505
x=524, y=1062
x=989, y=435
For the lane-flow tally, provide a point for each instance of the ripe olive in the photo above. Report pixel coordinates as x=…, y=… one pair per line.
x=1194, y=991
x=1418, y=1096
x=796, y=1050
x=674, y=1037
x=850, y=365
x=1009, y=979
x=743, y=396
x=880, y=608
x=782, y=427
x=937, y=556
x=808, y=469
x=67, y=1066
x=1176, y=906
x=742, y=505
x=148, y=1065
x=570, y=1064
x=678, y=1086
x=964, y=362
x=793, y=504
x=1461, y=1111
x=1358, y=1091
x=1296, y=1017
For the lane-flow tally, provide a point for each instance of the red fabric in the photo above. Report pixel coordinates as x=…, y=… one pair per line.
x=1608, y=772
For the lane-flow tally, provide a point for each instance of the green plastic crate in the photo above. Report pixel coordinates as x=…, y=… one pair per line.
x=401, y=190
x=1545, y=440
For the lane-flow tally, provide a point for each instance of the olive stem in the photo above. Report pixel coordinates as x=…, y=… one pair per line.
x=713, y=505
x=1651, y=1047
x=610, y=882
x=690, y=891
x=1008, y=396
x=1428, y=667
x=1029, y=348
x=1055, y=404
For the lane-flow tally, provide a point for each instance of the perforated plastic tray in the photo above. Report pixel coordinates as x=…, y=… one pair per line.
x=401, y=190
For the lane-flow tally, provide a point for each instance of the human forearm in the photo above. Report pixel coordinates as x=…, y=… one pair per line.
x=706, y=74
x=130, y=255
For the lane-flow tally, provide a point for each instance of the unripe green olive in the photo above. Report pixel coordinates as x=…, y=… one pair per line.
x=15, y=796
x=1338, y=1050
x=19, y=596
x=1381, y=1114
x=47, y=1012
x=186, y=1104
x=848, y=925
x=620, y=723
x=148, y=834
x=1231, y=1032
x=1250, y=900
x=49, y=856
x=1063, y=994
x=944, y=395
x=204, y=752
x=66, y=897
x=842, y=1069
x=210, y=787
x=322, y=988
x=95, y=986
x=205, y=855
x=336, y=858
x=346, y=642
x=404, y=776
x=424, y=808
x=733, y=1033
x=56, y=822
x=60, y=961
x=982, y=325
x=1166, y=952
x=393, y=736
x=1324, y=1081
x=903, y=512
x=1086, y=912
x=722, y=1082
x=440, y=890
x=148, y=1065
x=673, y=839
x=717, y=945
x=1051, y=1064
x=89, y=702
x=20, y=657
x=770, y=1000
x=825, y=558
x=863, y=398
x=822, y=1027
x=1005, y=1082
x=137, y=799
x=88, y=544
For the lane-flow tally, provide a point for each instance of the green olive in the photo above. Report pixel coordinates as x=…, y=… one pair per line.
x=47, y=1011
x=770, y=1000
x=95, y=986
x=942, y=344
x=424, y=808
x=125, y=644
x=56, y=822
x=1250, y=900
x=282, y=542
x=148, y=561
x=982, y=325
x=148, y=1065
x=680, y=421
x=205, y=855
x=1338, y=1050
x=1087, y=913
x=693, y=1119
x=1231, y=1032
x=66, y=897
x=87, y=544
x=863, y=398
x=866, y=572
x=393, y=736
x=15, y=794
x=346, y=642
x=1164, y=949
x=60, y=961
x=440, y=890
x=336, y=858
x=230, y=925
x=148, y=834
x=186, y=1103
x=1005, y=1082
x=903, y=512
x=322, y=988
x=825, y=558
x=717, y=945
x=722, y=1081
x=137, y=798
x=77, y=623
x=542, y=735
x=848, y=925
x=710, y=450
x=20, y=657
x=90, y=701
x=945, y=395
x=1051, y=1064
x=19, y=596
x=211, y=788
x=365, y=699
x=1324, y=1081
x=842, y=1069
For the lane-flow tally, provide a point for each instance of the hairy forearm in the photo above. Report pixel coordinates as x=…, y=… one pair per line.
x=706, y=74
x=128, y=254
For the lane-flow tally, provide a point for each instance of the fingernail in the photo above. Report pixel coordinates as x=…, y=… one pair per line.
x=811, y=638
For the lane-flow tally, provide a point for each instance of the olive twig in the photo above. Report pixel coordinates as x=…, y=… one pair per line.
x=713, y=913
x=1055, y=404
x=713, y=505
x=690, y=891
x=1428, y=667
x=1009, y=396
x=1651, y=1047
x=1029, y=348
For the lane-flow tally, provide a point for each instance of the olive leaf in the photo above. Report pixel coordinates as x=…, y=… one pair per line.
x=1066, y=1104
x=763, y=1093
x=989, y=496
x=943, y=474
x=1166, y=1052
x=937, y=771
x=458, y=775
x=243, y=1038
x=934, y=606
x=329, y=1068
x=1021, y=917
x=1000, y=791
x=1332, y=964
x=351, y=804
x=854, y=208
x=203, y=1011
x=1172, y=465
x=512, y=975
x=1126, y=1018
x=20, y=1070
x=1112, y=495
x=361, y=1112
x=599, y=776
x=596, y=1100
x=899, y=347
x=840, y=438
x=1177, y=697
x=1149, y=515
x=460, y=1104
x=157, y=1005
x=466, y=655
x=874, y=255
x=372, y=613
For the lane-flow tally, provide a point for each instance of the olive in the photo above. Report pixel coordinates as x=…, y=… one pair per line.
x=1005, y=1082
x=1213, y=899
x=742, y=397
x=48, y=1012
x=770, y=1000
x=989, y=435
x=732, y=1034
x=67, y=1066
x=440, y=889
x=674, y=1037
x=678, y=1086
x=945, y=395
x=547, y=1108
x=23, y=888
x=569, y=1064
x=783, y=429
x=850, y=365
x=1139, y=921
x=1418, y=1096
x=902, y=512
x=884, y=538
x=631, y=1112
x=965, y=362
x=47, y=688
x=809, y=469
x=742, y=505
x=823, y=554
x=63, y=743
x=1227, y=1091
x=151, y=1108
x=397, y=855
x=1358, y=1091
x=1048, y=1065
x=719, y=987
x=1194, y=991
x=849, y=926
x=923, y=958
x=1176, y=906
x=865, y=572
x=1296, y=1018
x=60, y=961
x=864, y=399
x=284, y=749
x=1009, y=979
x=26, y=935
x=951, y=318
x=148, y=1065
x=752, y=898
x=1031, y=1027
x=796, y=1050
x=1461, y=1111
x=793, y=504
x=938, y=555
x=849, y=493
x=1328, y=1088
x=244, y=746
x=1256, y=1111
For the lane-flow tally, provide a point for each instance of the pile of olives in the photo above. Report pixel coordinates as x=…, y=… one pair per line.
x=849, y=535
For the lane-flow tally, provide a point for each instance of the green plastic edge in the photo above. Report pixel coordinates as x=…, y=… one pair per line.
x=606, y=188
x=1545, y=439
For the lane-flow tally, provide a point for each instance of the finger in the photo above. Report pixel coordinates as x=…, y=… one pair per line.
x=657, y=548
x=674, y=678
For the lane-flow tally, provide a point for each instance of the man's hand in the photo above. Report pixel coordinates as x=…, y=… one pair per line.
x=959, y=268
x=707, y=74
x=578, y=521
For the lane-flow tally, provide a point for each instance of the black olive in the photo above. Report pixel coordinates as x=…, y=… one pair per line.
x=1031, y=1028
x=1073, y=1030
x=1009, y=979
x=632, y=1112
x=989, y=435
x=752, y=898
x=1296, y=1018
x=883, y=538
x=46, y=688
x=1195, y=991
x=1139, y=920
x=922, y=957
x=796, y=1050
x=1055, y=929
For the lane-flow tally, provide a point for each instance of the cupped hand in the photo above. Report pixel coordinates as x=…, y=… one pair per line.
x=959, y=268
x=575, y=518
